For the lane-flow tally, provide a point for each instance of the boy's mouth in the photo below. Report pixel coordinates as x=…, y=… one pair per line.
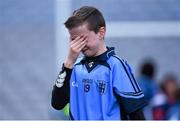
x=84, y=49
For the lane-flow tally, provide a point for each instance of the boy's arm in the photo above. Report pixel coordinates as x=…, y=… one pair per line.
x=61, y=89
x=128, y=93
x=137, y=115
x=134, y=115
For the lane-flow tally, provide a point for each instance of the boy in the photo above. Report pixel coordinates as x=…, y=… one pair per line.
x=98, y=86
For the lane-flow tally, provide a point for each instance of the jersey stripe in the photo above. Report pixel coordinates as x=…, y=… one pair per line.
x=70, y=115
x=129, y=75
x=133, y=78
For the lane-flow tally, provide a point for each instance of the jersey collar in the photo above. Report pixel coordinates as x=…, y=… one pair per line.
x=103, y=57
x=92, y=62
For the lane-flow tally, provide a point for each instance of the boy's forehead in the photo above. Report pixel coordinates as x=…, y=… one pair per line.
x=81, y=29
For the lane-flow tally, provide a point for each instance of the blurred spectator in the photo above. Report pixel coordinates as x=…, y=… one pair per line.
x=169, y=108
x=174, y=112
x=159, y=106
x=146, y=80
x=148, y=84
x=169, y=87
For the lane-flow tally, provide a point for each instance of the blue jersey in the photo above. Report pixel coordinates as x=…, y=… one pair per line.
x=103, y=88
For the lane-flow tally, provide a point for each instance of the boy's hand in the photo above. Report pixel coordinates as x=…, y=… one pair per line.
x=76, y=45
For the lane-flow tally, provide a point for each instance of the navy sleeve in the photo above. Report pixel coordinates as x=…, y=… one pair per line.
x=61, y=89
x=137, y=115
x=126, y=88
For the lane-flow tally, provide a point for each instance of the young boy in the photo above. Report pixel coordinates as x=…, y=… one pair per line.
x=98, y=86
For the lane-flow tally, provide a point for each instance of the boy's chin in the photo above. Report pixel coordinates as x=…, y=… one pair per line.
x=87, y=54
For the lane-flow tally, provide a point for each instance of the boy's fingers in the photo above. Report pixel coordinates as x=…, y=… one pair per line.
x=81, y=47
x=77, y=48
x=76, y=36
x=82, y=42
x=77, y=42
x=78, y=45
x=75, y=39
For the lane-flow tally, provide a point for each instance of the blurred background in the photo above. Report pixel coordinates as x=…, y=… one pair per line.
x=34, y=43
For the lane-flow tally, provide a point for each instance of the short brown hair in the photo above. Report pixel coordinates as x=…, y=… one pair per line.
x=86, y=14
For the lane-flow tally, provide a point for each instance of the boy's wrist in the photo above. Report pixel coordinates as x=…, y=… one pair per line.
x=68, y=64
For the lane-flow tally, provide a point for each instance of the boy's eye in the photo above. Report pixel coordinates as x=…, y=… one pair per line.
x=73, y=37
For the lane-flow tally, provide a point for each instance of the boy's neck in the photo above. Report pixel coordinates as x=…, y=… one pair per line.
x=102, y=49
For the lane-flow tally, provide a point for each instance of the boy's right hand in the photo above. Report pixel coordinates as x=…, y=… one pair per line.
x=76, y=45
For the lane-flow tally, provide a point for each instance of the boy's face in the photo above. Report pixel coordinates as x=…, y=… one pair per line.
x=94, y=40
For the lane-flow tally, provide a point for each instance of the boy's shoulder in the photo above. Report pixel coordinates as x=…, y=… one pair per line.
x=114, y=59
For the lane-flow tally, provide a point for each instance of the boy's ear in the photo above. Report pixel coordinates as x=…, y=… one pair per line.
x=101, y=33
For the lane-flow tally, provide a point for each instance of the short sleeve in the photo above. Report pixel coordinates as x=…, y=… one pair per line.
x=126, y=88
